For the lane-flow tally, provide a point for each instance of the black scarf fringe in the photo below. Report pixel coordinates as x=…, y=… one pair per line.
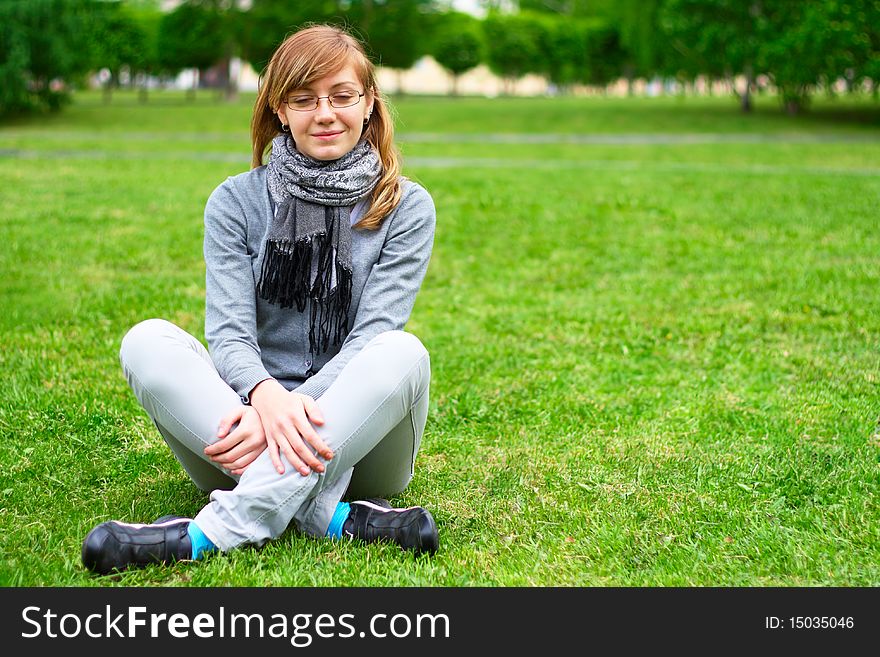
x=286, y=269
x=284, y=280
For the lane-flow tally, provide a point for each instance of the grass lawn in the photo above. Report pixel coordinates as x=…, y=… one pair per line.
x=655, y=361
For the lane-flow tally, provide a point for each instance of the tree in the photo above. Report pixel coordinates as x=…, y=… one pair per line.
x=43, y=51
x=513, y=47
x=265, y=25
x=850, y=42
x=194, y=35
x=583, y=40
x=808, y=43
x=721, y=38
x=458, y=44
x=148, y=18
x=645, y=47
x=605, y=55
x=15, y=95
x=117, y=41
x=563, y=42
x=793, y=55
x=394, y=30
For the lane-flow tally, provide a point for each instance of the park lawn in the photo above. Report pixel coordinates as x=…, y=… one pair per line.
x=653, y=364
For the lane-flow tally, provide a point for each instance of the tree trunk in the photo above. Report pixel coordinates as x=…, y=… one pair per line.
x=230, y=83
x=108, y=87
x=399, y=73
x=454, y=84
x=746, y=98
x=191, y=93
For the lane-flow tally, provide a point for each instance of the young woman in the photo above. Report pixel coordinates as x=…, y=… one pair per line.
x=312, y=393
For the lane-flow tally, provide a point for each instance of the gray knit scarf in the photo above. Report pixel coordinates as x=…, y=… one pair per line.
x=308, y=248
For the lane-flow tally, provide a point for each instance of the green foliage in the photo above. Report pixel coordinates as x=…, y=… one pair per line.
x=265, y=25
x=564, y=46
x=148, y=20
x=716, y=37
x=513, y=44
x=865, y=15
x=458, y=44
x=393, y=29
x=118, y=39
x=647, y=48
x=797, y=44
x=193, y=35
x=795, y=56
x=43, y=50
x=15, y=94
x=816, y=42
x=47, y=46
x=605, y=55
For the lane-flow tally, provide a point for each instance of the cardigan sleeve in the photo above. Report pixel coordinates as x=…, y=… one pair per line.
x=230, y=301
x=391, y=286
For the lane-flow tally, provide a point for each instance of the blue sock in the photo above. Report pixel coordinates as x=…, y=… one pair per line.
x=339, y=518
x=200, y=543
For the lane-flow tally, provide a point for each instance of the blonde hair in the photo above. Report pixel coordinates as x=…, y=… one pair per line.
x=309, y=55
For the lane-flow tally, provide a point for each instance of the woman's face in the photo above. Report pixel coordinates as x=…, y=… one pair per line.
x=327, y=132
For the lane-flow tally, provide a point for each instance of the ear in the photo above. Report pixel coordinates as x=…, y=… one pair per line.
x=280, y=114
x=370, y=98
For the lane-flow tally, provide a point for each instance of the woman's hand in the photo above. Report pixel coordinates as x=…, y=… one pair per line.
x=287, y=419
x=235, y=451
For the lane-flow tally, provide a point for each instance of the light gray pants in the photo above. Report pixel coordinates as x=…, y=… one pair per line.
x=374, y=418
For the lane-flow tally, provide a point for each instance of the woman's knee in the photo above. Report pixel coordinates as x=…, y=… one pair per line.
x=138, y=350
x=405, y=346
x=400, y=355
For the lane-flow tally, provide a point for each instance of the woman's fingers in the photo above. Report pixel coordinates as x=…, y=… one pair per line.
x=245, y=460
x=306, y=433
x=310, y=436
x=229, y=419
x=288, y=447
x=272, y=446
x=312, y=409
x=223, y=445
x=233, y=453
x=309, y=433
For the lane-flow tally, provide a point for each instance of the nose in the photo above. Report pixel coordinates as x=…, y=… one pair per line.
x=325, y=111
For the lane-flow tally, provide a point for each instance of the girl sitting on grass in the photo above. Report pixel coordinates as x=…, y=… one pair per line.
x=312, y=393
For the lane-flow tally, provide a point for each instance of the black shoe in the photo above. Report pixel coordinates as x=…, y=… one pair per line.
x=119, y=545
x=412, y=529
x=162, y=519
x=378, y=501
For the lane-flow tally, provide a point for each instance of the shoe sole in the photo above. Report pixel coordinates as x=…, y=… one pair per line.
x=429, y=538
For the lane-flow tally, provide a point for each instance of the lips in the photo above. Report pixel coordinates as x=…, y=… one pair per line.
x=326, y=135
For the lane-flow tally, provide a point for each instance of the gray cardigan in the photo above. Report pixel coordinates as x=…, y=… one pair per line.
x=251, y=340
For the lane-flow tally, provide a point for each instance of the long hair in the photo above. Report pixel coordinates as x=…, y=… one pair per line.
x=309, y=55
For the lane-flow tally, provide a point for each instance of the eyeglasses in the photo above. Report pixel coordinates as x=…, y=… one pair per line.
x=338, y=100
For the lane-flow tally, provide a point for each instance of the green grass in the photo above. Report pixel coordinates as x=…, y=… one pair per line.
x=653, y=364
